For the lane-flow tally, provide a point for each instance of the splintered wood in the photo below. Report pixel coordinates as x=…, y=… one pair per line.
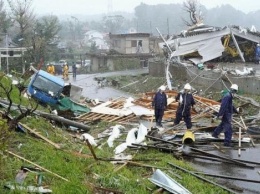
x=114, y=111
x=115, y=106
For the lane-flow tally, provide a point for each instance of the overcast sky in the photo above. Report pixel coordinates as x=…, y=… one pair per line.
x=90, y=7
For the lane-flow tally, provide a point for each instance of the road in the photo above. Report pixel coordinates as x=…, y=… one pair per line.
x=93, y=91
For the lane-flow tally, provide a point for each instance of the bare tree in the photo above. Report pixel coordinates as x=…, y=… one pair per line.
x=22, y=15
x=193, y=9
x=11, y=93
x=113, y=23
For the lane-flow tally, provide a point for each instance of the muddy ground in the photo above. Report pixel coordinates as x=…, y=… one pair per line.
x=91, y=89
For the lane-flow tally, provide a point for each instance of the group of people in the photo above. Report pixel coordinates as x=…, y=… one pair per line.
x=186, y=102
x=65, y=70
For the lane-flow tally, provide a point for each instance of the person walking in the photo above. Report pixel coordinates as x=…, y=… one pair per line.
x=257, y=54
x=74, y=70
x=66, y=72
x=159, y=104
x=186, y=102
x=49, y=68
x=225, y=114
x=52, y=69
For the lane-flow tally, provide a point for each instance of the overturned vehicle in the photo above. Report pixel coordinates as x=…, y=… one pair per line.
x=50, y=90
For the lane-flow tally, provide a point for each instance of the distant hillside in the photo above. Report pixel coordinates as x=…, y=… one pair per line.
x=151, y=16
x=168, y=18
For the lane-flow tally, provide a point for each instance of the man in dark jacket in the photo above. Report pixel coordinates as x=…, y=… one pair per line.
x=186, y=102
x=257, y=54
x=159, y=104
x=225, y=114
x=74, y=70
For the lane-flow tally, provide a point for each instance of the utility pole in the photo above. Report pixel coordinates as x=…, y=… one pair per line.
x=109, y=7
x=168, y=29
x=7, y=53
x=151, y=27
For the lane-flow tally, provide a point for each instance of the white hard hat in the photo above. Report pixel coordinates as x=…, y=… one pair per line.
x=258, y=44
x=187, y=86
x=234, y=87
x=163, y=88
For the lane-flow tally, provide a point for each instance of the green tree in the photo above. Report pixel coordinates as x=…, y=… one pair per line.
x=93, y=47
x=44, y=38
x=5, y=21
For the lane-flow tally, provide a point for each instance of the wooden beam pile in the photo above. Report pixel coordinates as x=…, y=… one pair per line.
x=116, y=104
x=145, y=101
x=147, y=98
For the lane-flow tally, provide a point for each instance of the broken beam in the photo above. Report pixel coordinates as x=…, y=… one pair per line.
x=202, y=178
x=44, y=169
x=228, y=177
x=39, y=135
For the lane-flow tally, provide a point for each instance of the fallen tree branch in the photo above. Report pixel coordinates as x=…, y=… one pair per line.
x=53, y=117
x=39, y=135
x=44, y=169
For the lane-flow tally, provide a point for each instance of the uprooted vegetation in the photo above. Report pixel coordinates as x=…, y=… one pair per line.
x=68, y=166
x=75, y=163
x=72, y=167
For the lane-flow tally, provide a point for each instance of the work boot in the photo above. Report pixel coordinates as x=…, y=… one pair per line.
x=228, y=144
x=214, y=135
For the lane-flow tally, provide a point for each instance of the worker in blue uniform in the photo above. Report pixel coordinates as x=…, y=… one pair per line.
x=225, y=114
x=186, y=102
x=159, y=104
x=257, y=54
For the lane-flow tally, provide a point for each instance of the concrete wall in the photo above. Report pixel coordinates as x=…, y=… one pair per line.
x=209, y=79
x=247, y=84
x=110, y=64
x=95, y=64
x=250, y=85
x=156, y=69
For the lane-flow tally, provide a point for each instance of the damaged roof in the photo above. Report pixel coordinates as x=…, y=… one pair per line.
x=208, y=41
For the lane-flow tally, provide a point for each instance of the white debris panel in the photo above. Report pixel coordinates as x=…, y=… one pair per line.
x=208, y=49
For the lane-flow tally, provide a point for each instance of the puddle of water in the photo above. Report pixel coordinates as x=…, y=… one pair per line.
x=250, y=154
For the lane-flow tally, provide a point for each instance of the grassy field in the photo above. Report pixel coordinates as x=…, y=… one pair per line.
x=82, y=170
x=75, y=162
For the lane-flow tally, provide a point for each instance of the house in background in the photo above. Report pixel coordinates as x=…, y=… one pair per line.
x=96, y=37
x=99, y=42
x=132, y=43
x=127, y=51
x=92, y=34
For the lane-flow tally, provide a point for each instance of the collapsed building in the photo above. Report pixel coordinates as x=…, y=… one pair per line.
x=202, y=55
x=205, y=43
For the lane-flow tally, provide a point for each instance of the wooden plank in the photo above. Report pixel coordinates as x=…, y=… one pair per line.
x=128, y=118
x=44, y=169
x=40, y=136
x=114, y=119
